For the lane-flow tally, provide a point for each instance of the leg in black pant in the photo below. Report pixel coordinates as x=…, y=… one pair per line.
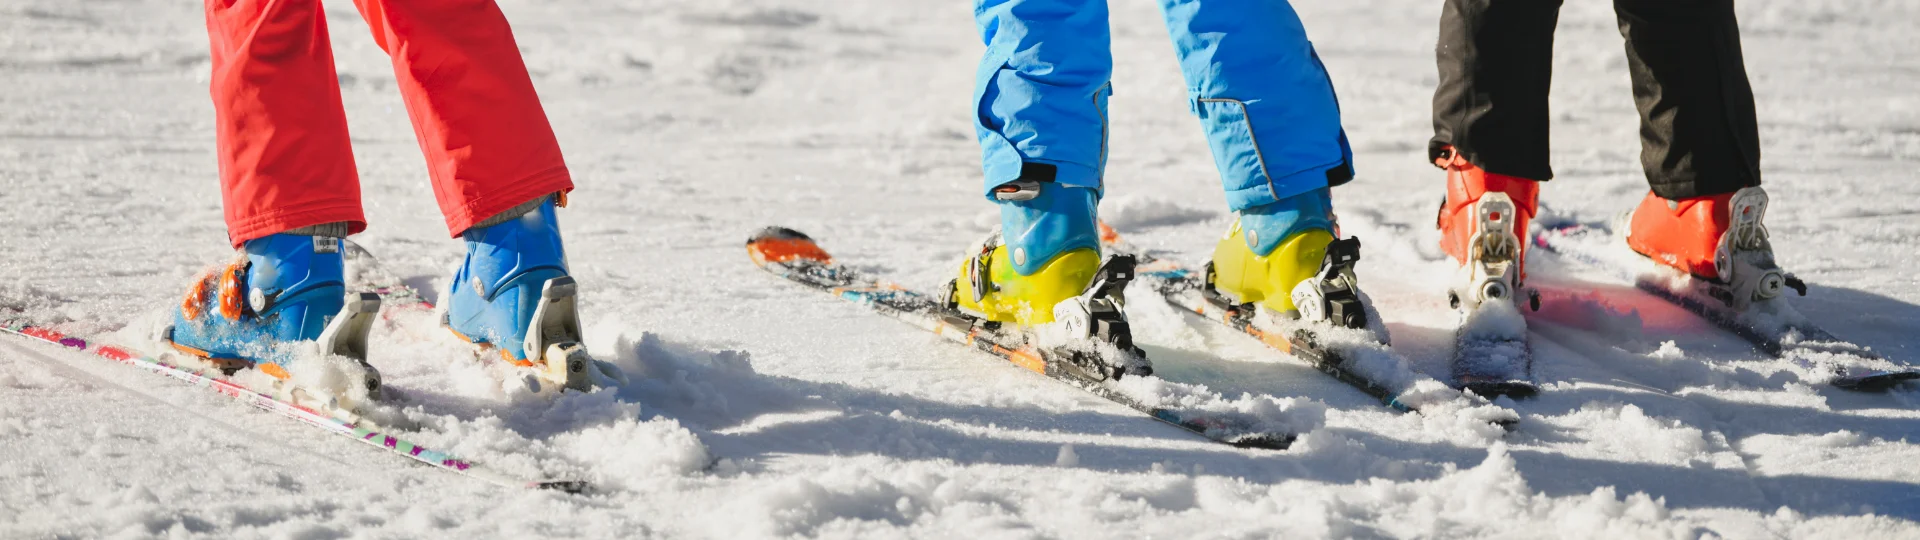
x=1496, y=64
x=1698, y=135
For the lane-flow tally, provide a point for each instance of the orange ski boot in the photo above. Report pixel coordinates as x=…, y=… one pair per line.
x=1483, y=225
x=1717, y=238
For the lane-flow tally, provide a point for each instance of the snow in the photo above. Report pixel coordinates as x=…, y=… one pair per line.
x=755, y=408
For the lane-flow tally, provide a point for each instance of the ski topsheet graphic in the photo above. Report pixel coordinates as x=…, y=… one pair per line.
x=1770, y=324
x=1251, y=421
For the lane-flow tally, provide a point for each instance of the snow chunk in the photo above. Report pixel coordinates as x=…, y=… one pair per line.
x=704, y=388
x=1248, y=414
x=1492, y=497
x=1626, y=432
x=799, y=505
x=1837, y=439
x=631, y=449
x=1668, y=351
x=1495, y=319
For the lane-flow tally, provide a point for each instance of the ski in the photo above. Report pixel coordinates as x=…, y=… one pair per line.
x=796, y=257
x=329, y=421
x=1771, y=325
x=1491, y=354
x=1360, y=358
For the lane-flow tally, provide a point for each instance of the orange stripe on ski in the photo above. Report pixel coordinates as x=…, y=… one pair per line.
x=1023, y=357
x=1272, y=340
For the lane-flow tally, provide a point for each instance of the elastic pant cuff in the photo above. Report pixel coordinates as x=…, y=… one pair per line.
x=512, y=213
x=337, y=229
x=463, y=216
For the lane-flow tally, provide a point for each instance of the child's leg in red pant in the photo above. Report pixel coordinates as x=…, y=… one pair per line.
x=285, y=161
x=488, y=145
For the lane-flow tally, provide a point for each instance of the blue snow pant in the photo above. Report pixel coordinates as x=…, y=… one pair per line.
x=1260, y=91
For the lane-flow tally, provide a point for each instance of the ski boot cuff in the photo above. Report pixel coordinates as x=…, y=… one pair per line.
x=1264, y=227
x=497, y=253
x=283, y=266
x=1056, y=220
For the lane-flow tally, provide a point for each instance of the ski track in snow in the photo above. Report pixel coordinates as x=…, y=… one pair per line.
x=758, y=408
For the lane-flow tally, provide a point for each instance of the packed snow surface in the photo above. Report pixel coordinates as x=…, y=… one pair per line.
x=758, y=408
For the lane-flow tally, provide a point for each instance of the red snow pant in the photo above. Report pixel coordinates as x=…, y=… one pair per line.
x=285, y=159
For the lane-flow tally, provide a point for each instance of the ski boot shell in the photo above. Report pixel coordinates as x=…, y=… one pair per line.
x=1044, y=268
x=1482, y=222
x=1719, y=238
x=1047, y=252
x=513, y=293
x=1025, y=300
x=286, y=290
x=1270, y=250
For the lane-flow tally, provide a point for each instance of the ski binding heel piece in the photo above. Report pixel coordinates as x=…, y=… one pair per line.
x=1099, y=314
x=1744, y=257
x=553, y=336
x=1333, y=293
x=346, y=334
x=1492, y=270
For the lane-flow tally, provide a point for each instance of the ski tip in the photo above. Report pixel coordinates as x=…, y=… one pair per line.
x=781, y=244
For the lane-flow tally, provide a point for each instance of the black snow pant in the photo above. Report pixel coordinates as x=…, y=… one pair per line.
x=1698, y=135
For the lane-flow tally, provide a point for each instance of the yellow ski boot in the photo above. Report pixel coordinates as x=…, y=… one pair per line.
x=1044, y=268
x=1284, y=258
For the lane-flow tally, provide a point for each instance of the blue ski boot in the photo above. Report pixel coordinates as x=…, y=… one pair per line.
x=287, y=289
x=513, y=294
x=1044, y=267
